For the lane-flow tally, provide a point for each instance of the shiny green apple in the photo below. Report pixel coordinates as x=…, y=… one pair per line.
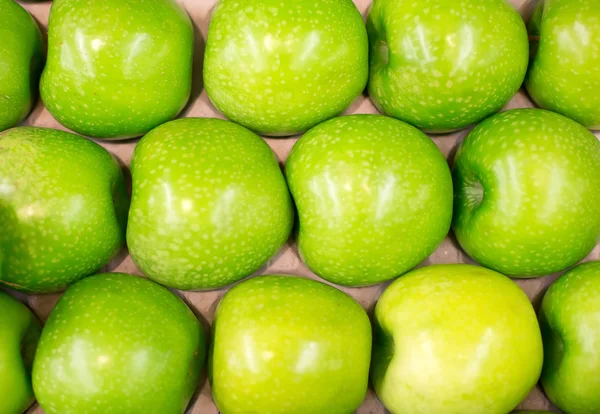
x=454, y=339
x=115, y=344
x=374, y=198
x=21, y=60
x=117, y=69
x=19, y=335
x=210, y=205
x=527, y=186
x=564, y=74
x=571, y=332
x=281, y=67
x=63, y=208
x=443, y=65
x=289, y=345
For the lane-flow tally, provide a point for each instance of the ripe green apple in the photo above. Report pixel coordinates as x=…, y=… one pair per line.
x=19, y=334
x=445, y=64
x=564, y=74
x=455, y=339
x=210, y=205
x=21, y=59
x=527, y=186
x=289, y=345
x=571, y=332
x=117, y=69
x=281, y=67
x=374, y=198
x=63, y=208
x=117, y=343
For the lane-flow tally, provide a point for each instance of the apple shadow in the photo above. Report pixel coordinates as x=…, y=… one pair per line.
x=197, y=67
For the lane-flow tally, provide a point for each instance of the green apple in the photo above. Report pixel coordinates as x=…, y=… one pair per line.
x=445, y=64
x=571, y=332
x=117, y=343
x=19, y=334
x=210, y=205
x=117, y=69
x=63, y=208
x=21, y=60
x=374, y=198
x=279, y=67
x=564, y=74
x=455, y=339
x=289, y=345
x=527, y=199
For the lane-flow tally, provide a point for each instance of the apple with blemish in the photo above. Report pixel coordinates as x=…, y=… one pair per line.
x=63, y=208
x=443, y=65
x=454, y=339
x=285, y=344
x=527, y=185
x=118, y=343
x=117, y=69
x=374, y=198
x=210, y=204
x=281, y=67
x=19, y=334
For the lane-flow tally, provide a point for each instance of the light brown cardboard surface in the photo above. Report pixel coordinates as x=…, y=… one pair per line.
x=287, y=260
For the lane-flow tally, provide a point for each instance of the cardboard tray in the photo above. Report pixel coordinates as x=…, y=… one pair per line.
x=287, y=260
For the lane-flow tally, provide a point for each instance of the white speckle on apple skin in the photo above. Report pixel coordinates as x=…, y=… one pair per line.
x=209, y=206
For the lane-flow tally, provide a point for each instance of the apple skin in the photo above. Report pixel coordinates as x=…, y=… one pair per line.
x=571, y=332
x=563, y=75
x=19, y=335
x=289, y=345
x=447, y=64
x=22, y=60
x=210, y=204
x=281, y=67
x=63, y=208
x=454, y=339
x=117, y=343
x=527, y=186
x=117, y=69
x=374, y=198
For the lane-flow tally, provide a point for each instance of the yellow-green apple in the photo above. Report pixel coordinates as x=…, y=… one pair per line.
x=19, y=335
x=443, y=65
x=63, y=208
x=284, y=344
x=281, y=67
x=21, y=60
x=527, y=186
x=117, y=69
x=564, y=74
x=210, y=204
x=455, y=339
x=571, y=330
x=374, y=198
x=115, y=344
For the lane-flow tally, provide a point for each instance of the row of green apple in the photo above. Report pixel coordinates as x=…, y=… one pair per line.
x=448, y=339
x=280, y=68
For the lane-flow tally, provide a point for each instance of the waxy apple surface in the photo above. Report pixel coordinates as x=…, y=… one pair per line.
x=19, y=335
x=117, y=69
x=289, y=345
x=281, y=67
x=527, y=186
x=454, y=339
x=374, y=198
x=210, y=205
x=443, y=65
x=571, y=332
x=21, y=60
x=564, y=75
x=63, y=208
x=117, y=343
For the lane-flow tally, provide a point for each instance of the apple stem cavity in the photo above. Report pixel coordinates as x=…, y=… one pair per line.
x=384, y=52
x=474, y=193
